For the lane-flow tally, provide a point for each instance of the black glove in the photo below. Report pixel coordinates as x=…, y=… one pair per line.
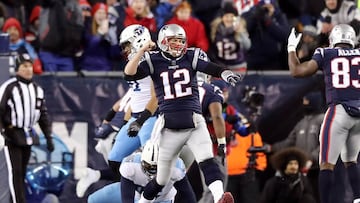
x=221, y=152
x=135, y=126
x=103, y=131
x=133, y=129
x=50, y=145
x=251, y=128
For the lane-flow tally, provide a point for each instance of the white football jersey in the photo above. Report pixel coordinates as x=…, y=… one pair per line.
x=131, y=169
x=141, y=94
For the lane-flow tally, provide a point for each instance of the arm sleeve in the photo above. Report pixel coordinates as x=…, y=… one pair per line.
x=212, y=68
x=185, y=192
x=44, y=121
x=127, y=190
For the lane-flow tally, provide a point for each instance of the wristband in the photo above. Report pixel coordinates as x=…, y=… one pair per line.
x=291, y=48
x=110, y=115
x=143, y=116
x=221, y=140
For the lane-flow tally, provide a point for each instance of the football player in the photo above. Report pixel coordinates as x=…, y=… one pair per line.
x=173, y=71
x=340, y=130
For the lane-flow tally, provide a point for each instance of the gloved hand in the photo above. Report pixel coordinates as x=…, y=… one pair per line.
x=2, y=141
x=103, y=131
x=50, y=145
x=293, y=40
x=230, y=77
x=133, y=129
x=221, y=152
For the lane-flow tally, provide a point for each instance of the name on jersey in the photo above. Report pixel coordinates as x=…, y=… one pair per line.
x=342, y=52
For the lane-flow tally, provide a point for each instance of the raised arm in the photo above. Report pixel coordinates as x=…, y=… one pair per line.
x=132, y=65
x=296, y=68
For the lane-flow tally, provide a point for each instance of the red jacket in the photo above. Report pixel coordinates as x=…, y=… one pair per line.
x=195, y=32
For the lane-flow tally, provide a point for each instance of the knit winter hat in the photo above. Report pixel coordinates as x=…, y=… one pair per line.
x=20, y=59
x=98, y=6
x=12, y=22
x=229, y=8
x=84, y=5
x=35, y=13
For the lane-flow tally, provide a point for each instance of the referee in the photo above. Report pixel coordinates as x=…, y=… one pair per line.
x=22, y=105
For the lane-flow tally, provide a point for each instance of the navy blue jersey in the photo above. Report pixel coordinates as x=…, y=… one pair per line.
x=341, y=69
x=226, y=49
x=175, y=80
x=209, y=94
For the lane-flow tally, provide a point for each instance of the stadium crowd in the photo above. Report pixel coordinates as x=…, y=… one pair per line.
x=252, y=35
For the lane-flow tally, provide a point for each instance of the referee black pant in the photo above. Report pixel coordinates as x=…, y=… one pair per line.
x=19, y=157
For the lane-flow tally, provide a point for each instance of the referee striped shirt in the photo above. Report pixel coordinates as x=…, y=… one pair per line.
x=21, y=103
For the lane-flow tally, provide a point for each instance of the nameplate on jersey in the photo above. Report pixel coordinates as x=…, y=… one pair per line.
x=173, y=67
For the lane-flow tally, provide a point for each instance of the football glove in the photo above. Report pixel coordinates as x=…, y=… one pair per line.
x=293, y=41
x=134, y=129
x=221, y=152
x=103, y=131
x=230, y=77
x=135, y=126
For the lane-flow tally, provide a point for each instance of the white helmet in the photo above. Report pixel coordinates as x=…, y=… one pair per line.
x=342, y=33
x=172, y=31
x=149, y=158
x=135, y=35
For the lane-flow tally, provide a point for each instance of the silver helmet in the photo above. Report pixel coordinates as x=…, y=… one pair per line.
x=134, y=36
x=342, y=34
x=172, y=31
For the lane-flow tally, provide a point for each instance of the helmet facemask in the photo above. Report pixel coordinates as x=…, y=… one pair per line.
x=172, y=40
x=176, y=46
x=149, y=169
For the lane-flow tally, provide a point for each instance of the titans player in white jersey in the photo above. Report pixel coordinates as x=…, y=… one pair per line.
x=136, y=171
x=143, y=104
x=173, y=71
x=340, y=130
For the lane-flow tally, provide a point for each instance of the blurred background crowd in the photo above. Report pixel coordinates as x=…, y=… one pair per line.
x=83, y=35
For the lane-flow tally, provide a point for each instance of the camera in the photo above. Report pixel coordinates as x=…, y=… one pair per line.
x=254, y=149
x=253, y=98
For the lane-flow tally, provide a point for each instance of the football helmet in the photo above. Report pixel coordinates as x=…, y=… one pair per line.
x=133, y=37
x=342, y=33
x=168, y=32
x=149, y=158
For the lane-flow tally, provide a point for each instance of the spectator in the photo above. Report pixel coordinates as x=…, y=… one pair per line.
x=337, y=12
x=85, y=9
x=32, y=32
x=18, y=45
x=244, y=168
x=164, y=11
x=305, y=135
x=268, y=29
x=16, y=96
x=194, y=28
x=97, y=48
x=309, y=43
x=3, y=14
x=60, y=36
x=288, y=185
x=229, y=39
x=138, y=12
